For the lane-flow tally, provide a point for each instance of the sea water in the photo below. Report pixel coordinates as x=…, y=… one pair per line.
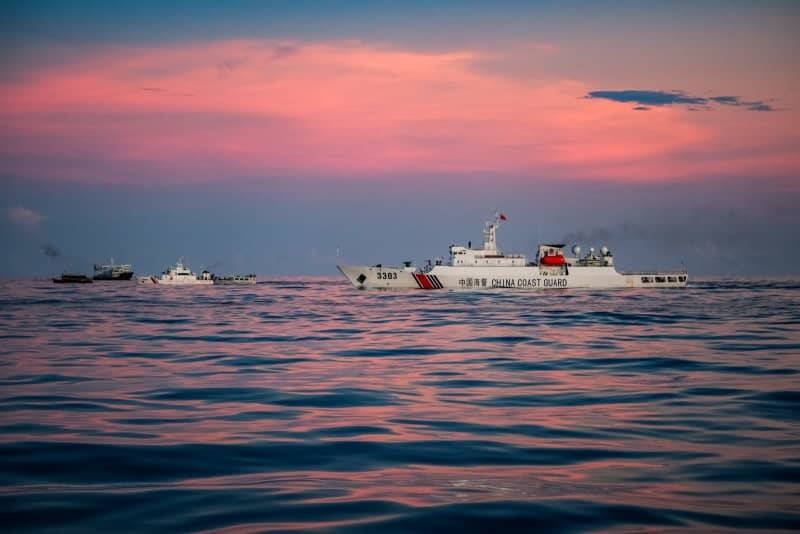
x=307, y=404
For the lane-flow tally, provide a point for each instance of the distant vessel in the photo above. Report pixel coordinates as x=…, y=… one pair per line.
x=179, y=275
x=235, y=280
x=73, y=279
x=488, y=268
x=113, y=271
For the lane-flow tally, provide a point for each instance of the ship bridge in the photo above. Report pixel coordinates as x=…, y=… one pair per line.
x=489, y=255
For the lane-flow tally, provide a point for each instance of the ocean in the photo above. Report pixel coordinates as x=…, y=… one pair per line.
x=305, y=404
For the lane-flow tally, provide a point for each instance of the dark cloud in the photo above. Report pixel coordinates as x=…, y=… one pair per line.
x=163, y=91
x=227, y=66
x=760, y=106
x=648, y=98
x=50, y=251
x=645, y=98
x=284, y=50
x=755, y=105
x=727, y=100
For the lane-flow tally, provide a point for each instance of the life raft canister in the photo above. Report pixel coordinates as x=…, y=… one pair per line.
x=557, y=259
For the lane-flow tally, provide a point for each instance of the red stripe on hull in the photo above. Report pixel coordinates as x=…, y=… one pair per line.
x=423, y=279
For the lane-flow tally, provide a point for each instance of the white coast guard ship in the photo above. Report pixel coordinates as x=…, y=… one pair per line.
x=488, y=268
x=179, y=275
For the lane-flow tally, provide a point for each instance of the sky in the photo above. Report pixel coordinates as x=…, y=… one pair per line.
x=282, y=138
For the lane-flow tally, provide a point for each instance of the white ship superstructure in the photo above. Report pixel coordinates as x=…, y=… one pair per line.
x=113, y=271
x=488, y=268
x=180, y=275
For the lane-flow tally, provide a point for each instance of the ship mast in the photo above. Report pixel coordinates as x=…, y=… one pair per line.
x=490, y=234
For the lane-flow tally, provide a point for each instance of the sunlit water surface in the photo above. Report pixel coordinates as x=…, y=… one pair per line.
x=307, y=404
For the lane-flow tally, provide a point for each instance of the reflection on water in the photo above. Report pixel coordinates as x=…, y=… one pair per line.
x=304, y=403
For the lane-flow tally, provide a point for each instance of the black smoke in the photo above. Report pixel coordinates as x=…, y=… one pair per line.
x=50, y=251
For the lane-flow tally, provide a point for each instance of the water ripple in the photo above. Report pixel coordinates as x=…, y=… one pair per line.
x=303, y=404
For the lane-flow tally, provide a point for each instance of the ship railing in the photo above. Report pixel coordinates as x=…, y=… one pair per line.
x=654, y=273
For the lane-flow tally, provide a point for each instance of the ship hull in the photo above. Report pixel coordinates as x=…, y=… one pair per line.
x=235, y=281
x=72, y=279
x=494, y=278
x=114, y=276
x=174, y=282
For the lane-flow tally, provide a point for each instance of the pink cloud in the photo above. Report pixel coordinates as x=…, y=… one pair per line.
x=204, y=111
x=25, y=217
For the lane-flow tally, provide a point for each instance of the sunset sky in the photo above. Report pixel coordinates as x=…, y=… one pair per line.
x=269, y=137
